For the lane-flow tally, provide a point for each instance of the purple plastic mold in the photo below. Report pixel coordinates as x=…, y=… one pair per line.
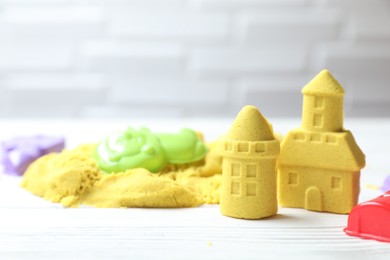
x=18, y=153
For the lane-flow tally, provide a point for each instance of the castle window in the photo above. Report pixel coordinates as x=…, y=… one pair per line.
x=315, y=138
x=299, y=136
x=336, y=182
x=251, y=189
x=235, y=188
x=317, y=120
x=259, y=148
x=229, y=146
x=243, y=147
x=292, y=178
x=251, y=170
x=331, y=139
x=235, y=169
x=318, y=102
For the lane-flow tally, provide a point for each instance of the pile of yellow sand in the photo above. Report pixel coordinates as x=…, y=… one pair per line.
x=72, y=178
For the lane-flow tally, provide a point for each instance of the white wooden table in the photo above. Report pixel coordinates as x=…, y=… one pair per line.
x=32, y=228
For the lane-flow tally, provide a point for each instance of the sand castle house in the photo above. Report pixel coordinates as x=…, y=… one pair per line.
x=320, y=162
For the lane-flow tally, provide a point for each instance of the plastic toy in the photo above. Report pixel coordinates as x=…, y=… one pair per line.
x=386, y=184
x=144, y=149
x=249, y=167
x=19, y=152
x=370, y=219
x=320, y=162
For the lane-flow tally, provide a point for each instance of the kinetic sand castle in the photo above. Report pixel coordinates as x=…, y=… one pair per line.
x=318, y=167
x=249, y=167
x=320, y=162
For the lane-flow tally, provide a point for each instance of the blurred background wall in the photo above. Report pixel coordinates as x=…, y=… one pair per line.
x=189, y=58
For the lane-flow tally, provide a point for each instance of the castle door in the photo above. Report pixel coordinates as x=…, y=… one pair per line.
x=313, y=199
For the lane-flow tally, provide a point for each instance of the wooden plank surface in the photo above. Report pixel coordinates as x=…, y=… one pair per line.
x=31, y=228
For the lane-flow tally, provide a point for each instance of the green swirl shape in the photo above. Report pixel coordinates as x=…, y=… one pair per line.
x=143, y=149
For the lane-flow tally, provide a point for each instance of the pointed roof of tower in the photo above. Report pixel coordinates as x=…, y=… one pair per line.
x=324, y=84
x=250, y=125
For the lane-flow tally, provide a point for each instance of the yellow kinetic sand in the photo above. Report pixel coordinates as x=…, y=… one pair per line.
x=249, y=167
x=72, y=178
x=320, y=163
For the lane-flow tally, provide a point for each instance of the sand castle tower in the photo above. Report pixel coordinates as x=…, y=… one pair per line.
x=320, y=163
x=249, y=167
x=323, y=104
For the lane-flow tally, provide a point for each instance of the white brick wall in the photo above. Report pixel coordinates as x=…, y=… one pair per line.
x=188, y=58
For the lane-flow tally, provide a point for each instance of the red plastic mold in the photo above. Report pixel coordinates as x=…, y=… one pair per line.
x=371, y=219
